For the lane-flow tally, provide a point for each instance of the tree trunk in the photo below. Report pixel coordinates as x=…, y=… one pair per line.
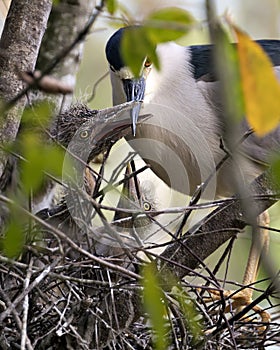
x=59, y=35
x=19, y=46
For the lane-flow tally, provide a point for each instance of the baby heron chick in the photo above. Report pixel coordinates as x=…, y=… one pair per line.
x=84, y=129
x=85, y=133
x=132, y=223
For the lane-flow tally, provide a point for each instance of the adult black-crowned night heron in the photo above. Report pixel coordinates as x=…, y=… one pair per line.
x=188, y=120
x=186, y=85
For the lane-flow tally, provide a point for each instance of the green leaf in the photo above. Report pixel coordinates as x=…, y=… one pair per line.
x=56, y=2
x=13, y=240
x=37, y=117
x=191, y=316
x=111, y=6
x=32, y=168
x=229, y=75
x=168, y=24
x=275, y=168
x=155, y=306
x=40, y=159
x=134, y=55
x=139, y=42
x=54, y=158
x=40, y=155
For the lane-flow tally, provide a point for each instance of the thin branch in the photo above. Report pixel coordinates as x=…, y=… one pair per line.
x=219, y=226
x=26, y=307
x=72, y=244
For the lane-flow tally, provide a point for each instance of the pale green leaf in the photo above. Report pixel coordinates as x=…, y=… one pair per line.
x=229, y=75
x=54, y=158
x=135, y=54
x=32, y=168
x=140, y=42
x=13, y=240
x=168, y=24
x=155, y=306
x=192, y=318
x=41, y=158
x=111, y=6
x=275, y=169
x=38, y=116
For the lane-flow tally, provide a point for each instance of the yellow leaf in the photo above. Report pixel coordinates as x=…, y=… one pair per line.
x=260, y=86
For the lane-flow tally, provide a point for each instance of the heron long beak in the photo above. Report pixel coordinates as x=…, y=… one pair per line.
x=135, y=91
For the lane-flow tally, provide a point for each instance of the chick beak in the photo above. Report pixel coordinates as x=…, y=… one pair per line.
x=130, y=196
x=135, y=91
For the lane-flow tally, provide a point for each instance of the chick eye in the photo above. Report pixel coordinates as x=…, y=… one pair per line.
x=147, y=206
x=84, y=134
x=147, y=63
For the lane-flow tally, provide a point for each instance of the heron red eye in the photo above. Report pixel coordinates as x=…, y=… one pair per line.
x=147, y=206
x=147, y=63
x=84, y=134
